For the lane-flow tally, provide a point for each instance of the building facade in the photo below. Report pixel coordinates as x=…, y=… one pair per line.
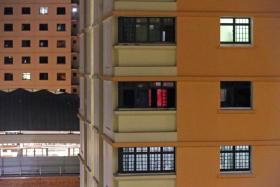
x=179, y=93
x=37, y=47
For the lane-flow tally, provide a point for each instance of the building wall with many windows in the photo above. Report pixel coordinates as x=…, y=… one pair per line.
x=179, y=93
x=36, y=46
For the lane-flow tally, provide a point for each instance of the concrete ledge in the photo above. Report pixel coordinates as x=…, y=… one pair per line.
x=145, y=137
x=156, y=6
x=145, y=71
x=40, y=138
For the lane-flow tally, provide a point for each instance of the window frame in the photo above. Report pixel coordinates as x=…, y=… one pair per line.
x=11, y=29
x=25, y=24
x=43, y=78
x=121, y=155
x=234, y=152
x=63, y=25
x=10, y=46
x=59, y=74
x=8, y=74
x=26, y=57
x=10, y=61
x=41, y=12
x=59, y=8
x=234, y=24
x=44, y=41
x=237, y=107
x=58, y=58
x=43, y=57
x=41, y=27
x=23, y=9
x=26, y=73
x=10, y=9
x=25, y=46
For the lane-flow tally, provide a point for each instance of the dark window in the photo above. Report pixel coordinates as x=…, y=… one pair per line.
x=43, y=43
x=44, y=76
x=147, y=95
x=25, y=27
x=60, y=27
x=25, y=43
x=74, y=74
x=8, y=43
x=235, y=158
x=61, y=60
x=43, y=60
x=61, y=44
x=8, y=76
x=235, y=94
x=235, y=30
x=26, y=60
x=74, y=90
x=8, y=27
x=74, y=41
x=60, y=11
x=8, y=60
x=146, y=30
x=146, y=159
x=8, y=10
x=43, y=27
x=61, y=76
x=26, y=10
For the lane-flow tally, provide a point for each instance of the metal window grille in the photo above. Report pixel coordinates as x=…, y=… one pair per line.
x=235, y=158
x=153, y=30
x=147, y=160
x=241, y=30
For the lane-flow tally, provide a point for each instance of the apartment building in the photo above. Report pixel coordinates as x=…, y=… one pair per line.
x=179, y=93
x=38, y=44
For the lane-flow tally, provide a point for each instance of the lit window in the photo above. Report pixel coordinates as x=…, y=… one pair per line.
x=147, y=95
x=235, y=158
x=146, y=159
x=235, y=94
x=74, y=9
x=235, y=30
x=43, y=10
x=26, y=76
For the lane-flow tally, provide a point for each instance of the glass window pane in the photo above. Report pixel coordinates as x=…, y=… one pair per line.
x=226, y=20
x=226, y=33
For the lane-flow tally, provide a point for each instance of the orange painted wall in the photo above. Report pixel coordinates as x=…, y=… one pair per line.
x=202, y=126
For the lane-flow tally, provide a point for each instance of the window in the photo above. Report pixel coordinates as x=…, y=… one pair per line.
x=25, y=27
x=60, y=27
x=235, y=30
x=26, y=60
x=61, y=60
x=8, y=77
x=26, y=76
x=8, y=27
x=43, y=10
x=8, y=11
x=8, y=60
x=43, y=43
x=25, y=43
x=61, y=76
x=146, y=159
x=235, y=94
x=44, y=76
x=146, y=30
x=8, y=43
x=61, y=44
x=60, y=11
x=43, y=59
x=235, y=158
x=43, y=27
x=26, y=10
x=147, y=95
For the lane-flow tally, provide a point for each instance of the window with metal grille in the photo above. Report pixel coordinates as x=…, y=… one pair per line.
x=235, y=158
x=25, y=27
x=8, y=43
x=8, y=10
x=147, y=95
x=26, y=60
x=8, y=76
x=8, y=60
x=146, y=160
x=25, y=10
x=25, y=43
x=61, y=27
x=43, y=60
x=235, y=30
x=60, y=11
x=43, y=43
x=43, y=27
x=146, y=30
x=236, y=94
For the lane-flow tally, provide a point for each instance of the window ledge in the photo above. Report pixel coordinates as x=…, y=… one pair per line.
x=236, y=110
x=237, y=174
x=137, y=176
x=236, y=46
x=145, y=45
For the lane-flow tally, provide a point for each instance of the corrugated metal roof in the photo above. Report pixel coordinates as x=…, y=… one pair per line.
x=41, y=110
